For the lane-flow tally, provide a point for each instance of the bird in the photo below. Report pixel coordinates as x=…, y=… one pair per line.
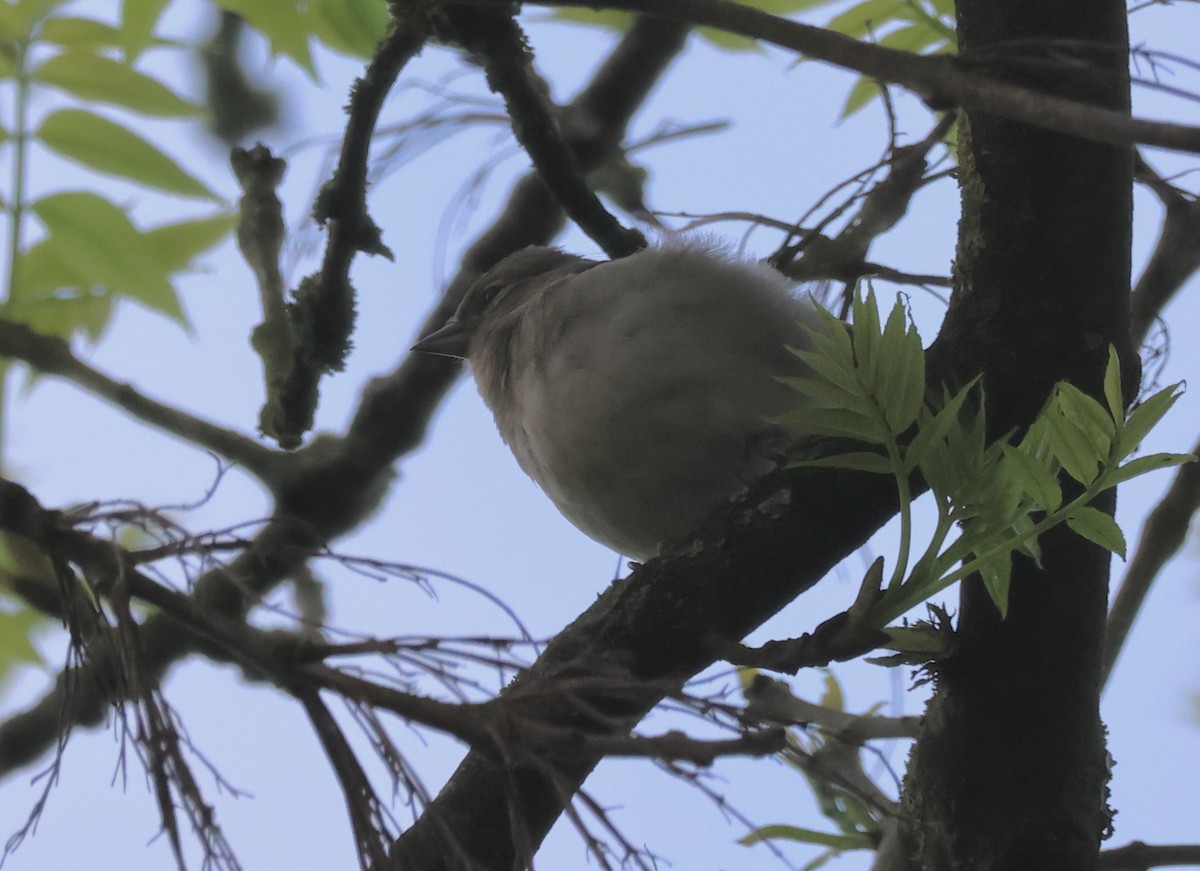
x=638, y=393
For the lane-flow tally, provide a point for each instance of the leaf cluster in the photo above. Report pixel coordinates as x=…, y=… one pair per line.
x=993, y=498
x=90, y=253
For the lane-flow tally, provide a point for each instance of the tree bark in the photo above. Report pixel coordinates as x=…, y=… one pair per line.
x=1011, y=771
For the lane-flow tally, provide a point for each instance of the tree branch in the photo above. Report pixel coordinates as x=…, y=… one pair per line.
x=495, y=38
x=323, y=312
x=52, y=356
x=1176, y=255
x=1165, y=531
x=939, y=80
x=1137, y=856
x=333, y=484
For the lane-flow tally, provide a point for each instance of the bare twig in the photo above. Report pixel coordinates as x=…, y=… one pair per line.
x=1164, y=533
x=53, y=356
x=494, y=37
x=1137, y=856
x=1176, y=255
x=771, y=701
x=323, y=312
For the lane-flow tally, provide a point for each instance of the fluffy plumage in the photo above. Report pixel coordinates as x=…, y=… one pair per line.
x=635, y=392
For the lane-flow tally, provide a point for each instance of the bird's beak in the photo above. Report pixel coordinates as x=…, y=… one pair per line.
x=452, y=340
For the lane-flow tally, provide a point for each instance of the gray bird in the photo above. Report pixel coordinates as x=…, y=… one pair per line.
x=635, y=392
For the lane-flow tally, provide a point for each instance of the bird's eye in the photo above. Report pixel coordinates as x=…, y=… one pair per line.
x=491, y=292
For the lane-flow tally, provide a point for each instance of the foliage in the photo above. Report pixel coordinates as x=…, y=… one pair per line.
x=91, y=253
x=868, y=385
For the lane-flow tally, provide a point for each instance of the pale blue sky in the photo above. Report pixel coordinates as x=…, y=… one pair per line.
x=461, y=504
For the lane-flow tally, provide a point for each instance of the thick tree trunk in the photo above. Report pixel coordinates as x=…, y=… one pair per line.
x=1011, y=770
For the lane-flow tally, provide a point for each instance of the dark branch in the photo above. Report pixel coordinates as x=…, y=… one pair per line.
x=939, y=80
x=323, y=312
x=1176, y=255
x=53, y=356
x=1165, y=531
x=495, y=39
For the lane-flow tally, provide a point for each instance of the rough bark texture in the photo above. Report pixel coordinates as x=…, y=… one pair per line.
x=1011, y=770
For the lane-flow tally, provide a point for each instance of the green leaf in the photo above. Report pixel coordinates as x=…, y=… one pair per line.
x=28, y=13
x=95, y=78
x=17, y=625
x=107, y=249
x=1112, y=386
x=607, y=18
x=10, y=30
x=864, y=91
x=1073, y=447
x=177, y=245
x=832, y=697
x=865, y=18
x=915, y=38
x=827, y=393
x=831, y=337
x=1035, y=478
x=933, y=430
x=139, y=18
x=284, y=23
x=353, y=27
x=1144, y=416
x=787, y=7
x=77, y=32
x=1028, y=543
x=861, y=461
x=903, y=376
x=837, y=371
x=110, y=148
x=42, y=270
x=996, y=572
x=66, y=315
x=866, y=338
x=1089, y=415
x=1098, y=528
x=1143, y=465
x=833, y=422
x=806, y=836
